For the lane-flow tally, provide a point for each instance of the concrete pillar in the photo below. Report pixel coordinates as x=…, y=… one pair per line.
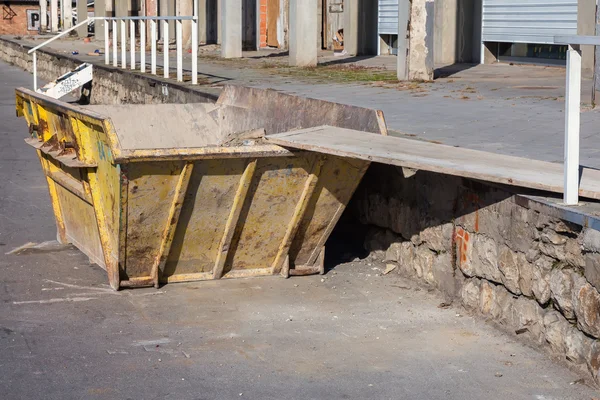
x=121, y=9
x=167, y=8
x=202, y=21
x=303, y=33
x=67, y=16
x=403, y=24
x=420, y=51
x=185, y=8
x=54, y=15
x=446, y=38
x=150, y=10
x=453, y=31
x=586, y=25
x=99, y=11
x=350, y=26
x=220, y=21
x=82, y=31
x=231, y=23
x=171, y=12
x=43, y=15
x=163, y=10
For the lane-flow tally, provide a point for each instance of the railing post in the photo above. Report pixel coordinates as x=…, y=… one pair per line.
x=123, y=45
x=572, y=125
x=142, y=45
x=153, y=46
x=166, y=49
x=195, y=48
x=132, y=42
x=179, y=40
x=35, y=83
x=106, y=43
x=115, y=37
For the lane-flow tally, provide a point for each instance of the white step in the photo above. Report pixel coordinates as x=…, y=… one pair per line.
x=68, y=82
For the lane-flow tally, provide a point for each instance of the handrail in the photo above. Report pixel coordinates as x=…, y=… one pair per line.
x=142, y=30
x=53, y=38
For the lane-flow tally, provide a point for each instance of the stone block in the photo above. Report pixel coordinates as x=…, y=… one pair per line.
x=403, y=254
x=519, y=234
x=574, y=253
x=486, y=297
x=527, y=314
x=561, y=288
x=424, y=264
x=525, y=274
x=443, y=274
x=502, y=307
x=484, y=258
x=577, y=345
x=438, y=238
x=590, y=240
x=592, y=269
x=464, y=250
x=555, y=328
x=541, y=279
x=508, y=264
x=593, y=360
x=469, y=294
x=586, y=304
x=551, y=237
x=551, y=250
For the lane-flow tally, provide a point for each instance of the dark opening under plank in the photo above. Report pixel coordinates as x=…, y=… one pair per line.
x=432, y=157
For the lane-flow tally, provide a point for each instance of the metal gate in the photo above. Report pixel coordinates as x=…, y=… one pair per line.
x=528, y=21
x=387, y=18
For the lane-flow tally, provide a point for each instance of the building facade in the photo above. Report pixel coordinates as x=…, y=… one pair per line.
x=20, y=17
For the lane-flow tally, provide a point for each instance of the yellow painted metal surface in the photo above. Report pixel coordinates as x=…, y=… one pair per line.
x=173, y=215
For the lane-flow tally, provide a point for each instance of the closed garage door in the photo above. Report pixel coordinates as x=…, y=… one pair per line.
x=528, y=21
x=388, y=17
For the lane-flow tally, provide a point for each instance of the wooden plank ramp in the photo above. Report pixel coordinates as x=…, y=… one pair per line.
x=426, y=156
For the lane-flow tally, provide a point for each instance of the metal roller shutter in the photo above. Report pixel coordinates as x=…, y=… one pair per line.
x=528, y=21
x=388, y=17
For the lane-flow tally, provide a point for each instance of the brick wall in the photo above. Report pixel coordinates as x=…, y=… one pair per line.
x=13, y=20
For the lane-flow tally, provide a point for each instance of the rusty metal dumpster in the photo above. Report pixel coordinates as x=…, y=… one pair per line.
x=163, y=193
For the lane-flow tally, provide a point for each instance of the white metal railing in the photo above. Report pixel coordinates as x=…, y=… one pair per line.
x=120, y=25
x=573, y=113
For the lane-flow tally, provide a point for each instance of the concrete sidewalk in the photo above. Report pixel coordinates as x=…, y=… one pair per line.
x=508, y=109
x=352, y=334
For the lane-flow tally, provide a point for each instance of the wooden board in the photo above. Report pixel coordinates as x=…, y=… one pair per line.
x=439, y=158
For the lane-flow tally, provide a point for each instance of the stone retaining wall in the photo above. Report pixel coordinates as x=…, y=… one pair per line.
x=533, y=274
x=110, y=85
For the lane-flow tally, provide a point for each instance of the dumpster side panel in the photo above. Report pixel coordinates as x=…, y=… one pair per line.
x=338, y=180
x=150, y=196
x=274, y=194
x=74, y=205
x=66, y=135
x=80, y=225
x=264, y=104
x=204, y=214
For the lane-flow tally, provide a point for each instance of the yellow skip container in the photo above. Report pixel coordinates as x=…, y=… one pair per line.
x=184, y=192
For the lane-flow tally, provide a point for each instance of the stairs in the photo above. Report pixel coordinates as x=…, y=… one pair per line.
x=72, y=80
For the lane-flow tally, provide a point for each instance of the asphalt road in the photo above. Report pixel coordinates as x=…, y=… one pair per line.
x=351, y=335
